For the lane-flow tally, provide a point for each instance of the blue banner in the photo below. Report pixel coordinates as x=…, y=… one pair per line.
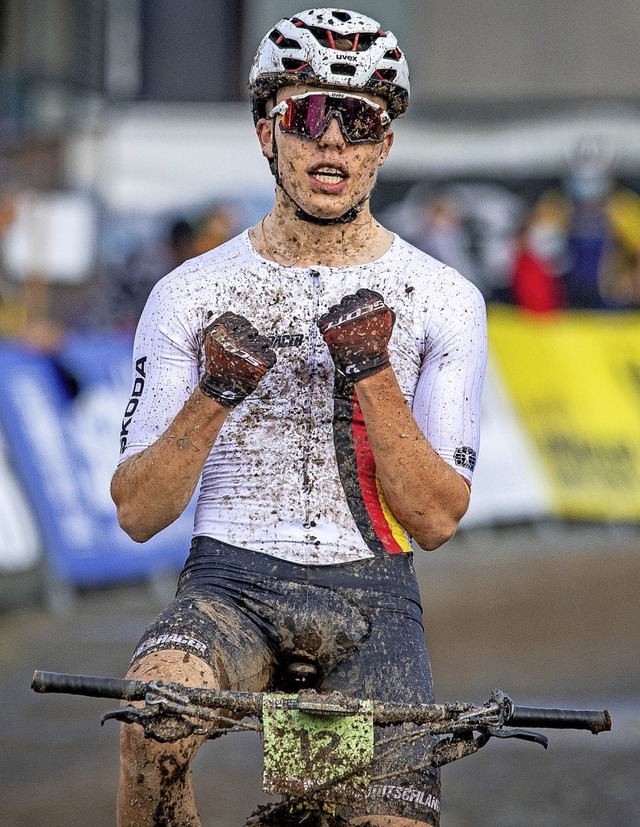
x=61, y=421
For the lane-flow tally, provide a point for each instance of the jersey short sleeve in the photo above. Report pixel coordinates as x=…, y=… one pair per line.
x=447, y=400
x=165, y=367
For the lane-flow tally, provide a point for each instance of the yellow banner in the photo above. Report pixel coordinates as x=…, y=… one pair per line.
x=575, y=379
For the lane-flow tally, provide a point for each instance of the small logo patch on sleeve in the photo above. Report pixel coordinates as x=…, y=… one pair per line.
x=465, y=457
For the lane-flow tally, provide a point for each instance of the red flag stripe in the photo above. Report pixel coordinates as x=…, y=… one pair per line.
x=367, y=478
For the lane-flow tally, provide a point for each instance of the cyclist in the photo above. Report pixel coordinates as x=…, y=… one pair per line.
x=320, y=378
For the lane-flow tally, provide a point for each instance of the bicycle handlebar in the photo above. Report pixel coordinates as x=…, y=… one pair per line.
x=595, y=722
x=245, y=703
x=250, y=703
x=124, y=690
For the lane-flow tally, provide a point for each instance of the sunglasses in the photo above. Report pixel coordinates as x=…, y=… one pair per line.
x=308, y=115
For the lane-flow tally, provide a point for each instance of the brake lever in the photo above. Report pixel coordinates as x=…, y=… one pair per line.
x=126, y=715
x=521, y=734
x=158, y=723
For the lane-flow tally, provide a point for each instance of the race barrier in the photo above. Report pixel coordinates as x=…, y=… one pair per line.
x=574, y=379
x=60, y=420
x=560, y=438
x=509, y=485
x=20, y=543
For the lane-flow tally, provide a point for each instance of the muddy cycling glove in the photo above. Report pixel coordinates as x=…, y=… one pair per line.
x=236, y=359
x=357, y=332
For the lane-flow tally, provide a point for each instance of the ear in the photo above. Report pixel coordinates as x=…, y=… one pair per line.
x=385, y=147
x=264, y=131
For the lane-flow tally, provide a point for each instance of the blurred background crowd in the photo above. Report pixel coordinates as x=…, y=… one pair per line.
x=575, y=244
x=126, y=148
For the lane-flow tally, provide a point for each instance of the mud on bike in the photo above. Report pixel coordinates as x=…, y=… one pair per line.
x=319, y=748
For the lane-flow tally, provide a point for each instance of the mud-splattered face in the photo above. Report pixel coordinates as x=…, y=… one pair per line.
x=326, y=176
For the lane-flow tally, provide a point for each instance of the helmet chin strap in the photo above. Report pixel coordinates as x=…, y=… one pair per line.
x=346, y=218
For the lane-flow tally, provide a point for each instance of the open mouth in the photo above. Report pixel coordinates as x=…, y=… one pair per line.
x=329, y=174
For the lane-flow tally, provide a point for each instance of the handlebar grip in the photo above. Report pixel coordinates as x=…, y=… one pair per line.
x=594, y=721
x=126, y=690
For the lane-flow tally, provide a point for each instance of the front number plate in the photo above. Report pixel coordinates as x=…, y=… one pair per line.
x=316, y=755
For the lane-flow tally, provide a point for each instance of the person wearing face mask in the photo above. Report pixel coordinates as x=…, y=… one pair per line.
x=602, y=230
x=540, y=254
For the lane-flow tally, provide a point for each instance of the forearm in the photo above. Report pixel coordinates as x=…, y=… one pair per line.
x=152, y=488
x=425, y=494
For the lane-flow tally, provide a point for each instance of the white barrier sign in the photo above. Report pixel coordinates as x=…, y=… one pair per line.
x=20, y=548
x=508, y=485
x=53, y=237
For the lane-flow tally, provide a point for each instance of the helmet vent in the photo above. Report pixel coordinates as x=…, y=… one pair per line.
x=394, y=54
x=292, y=65
x=344, y=43
x=344, y=16
x=365, y=41
x=343, y=69
x=388, y=75
x=282, y=41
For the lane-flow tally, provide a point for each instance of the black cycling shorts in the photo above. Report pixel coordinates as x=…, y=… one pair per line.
x=250, y=616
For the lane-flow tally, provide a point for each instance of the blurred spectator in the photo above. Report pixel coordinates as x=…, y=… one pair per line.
x=602, y=231
x=492, y=212
x=540, y=255
x=12, y=311
x=24, y=312
x=443, y=235
x=125, y=283
x=129, y=285
x=622, y=281
x=215, y=228
x=469, y=225
x=180, y=244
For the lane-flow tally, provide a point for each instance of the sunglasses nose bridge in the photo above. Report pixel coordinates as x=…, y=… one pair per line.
x=334, y=128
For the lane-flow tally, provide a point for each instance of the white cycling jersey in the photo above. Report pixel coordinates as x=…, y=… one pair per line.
x=292, y=473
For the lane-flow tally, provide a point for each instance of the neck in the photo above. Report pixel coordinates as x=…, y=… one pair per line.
x=289, y=240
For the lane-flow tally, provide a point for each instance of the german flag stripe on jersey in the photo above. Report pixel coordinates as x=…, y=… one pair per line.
x=380, y=530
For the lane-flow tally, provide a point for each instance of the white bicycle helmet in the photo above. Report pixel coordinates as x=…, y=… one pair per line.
x=330, y=47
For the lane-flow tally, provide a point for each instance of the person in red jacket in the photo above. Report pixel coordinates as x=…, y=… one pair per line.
x=537, y=281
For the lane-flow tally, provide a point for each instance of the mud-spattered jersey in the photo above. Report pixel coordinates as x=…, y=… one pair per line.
x=292, y=473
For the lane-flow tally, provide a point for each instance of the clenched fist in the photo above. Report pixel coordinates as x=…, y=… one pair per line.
x=357, y=332
x=236, y=359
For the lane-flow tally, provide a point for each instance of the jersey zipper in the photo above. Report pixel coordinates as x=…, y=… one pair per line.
x=310, y=420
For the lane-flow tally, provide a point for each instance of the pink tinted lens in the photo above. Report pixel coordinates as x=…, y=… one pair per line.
x=310, y=116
